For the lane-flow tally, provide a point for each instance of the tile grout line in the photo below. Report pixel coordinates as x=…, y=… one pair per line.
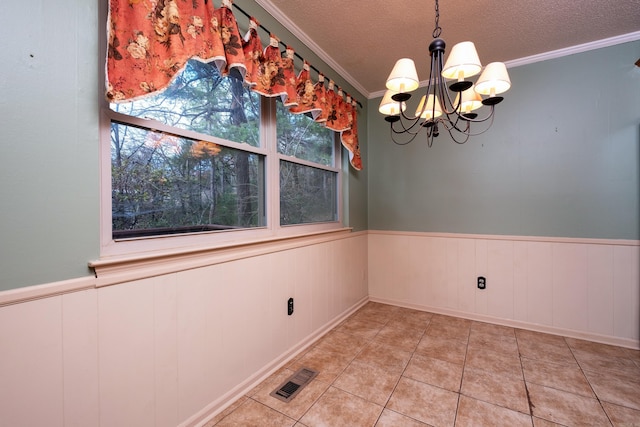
x=587, y=379
x=401, y=376
x=464, y=365
x=524, y=379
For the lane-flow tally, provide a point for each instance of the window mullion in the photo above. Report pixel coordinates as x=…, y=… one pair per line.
x=303, y=162
x=158, y=126
x=269, y=139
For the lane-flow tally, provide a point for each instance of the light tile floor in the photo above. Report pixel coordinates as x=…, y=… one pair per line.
x=389, y=366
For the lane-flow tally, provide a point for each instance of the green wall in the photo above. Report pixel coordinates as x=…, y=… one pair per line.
x=49, y=201
x=50, y=93
x=561, y=160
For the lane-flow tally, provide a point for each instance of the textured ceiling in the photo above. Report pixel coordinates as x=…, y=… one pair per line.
x=363, y=39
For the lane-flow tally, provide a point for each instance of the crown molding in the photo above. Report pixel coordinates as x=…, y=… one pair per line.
x=309, y=43
x=585, y=47
x=598, y=44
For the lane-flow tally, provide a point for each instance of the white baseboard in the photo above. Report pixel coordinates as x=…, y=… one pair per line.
x=216, y=407
x=603, y=339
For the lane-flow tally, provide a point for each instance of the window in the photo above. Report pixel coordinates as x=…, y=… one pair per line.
x=308, y=185
x=208, y=161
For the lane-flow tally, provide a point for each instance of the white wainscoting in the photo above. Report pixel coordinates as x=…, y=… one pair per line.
x=171, y=349
x=175, y=348
x=584, y=288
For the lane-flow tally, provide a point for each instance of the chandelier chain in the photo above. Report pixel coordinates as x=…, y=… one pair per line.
x=437, y=30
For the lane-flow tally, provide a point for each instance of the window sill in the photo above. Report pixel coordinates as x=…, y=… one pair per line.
x=114, y=270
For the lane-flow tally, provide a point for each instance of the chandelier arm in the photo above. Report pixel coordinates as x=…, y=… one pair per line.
x=454, y=130
x=457, y=112
x=458, y=119
x=416, y=120
x=430, y=85
x=413, y=119
x=446, y=98
x=490, y=118
x=404, y=129
x=395, y=141
x=483, y=119
x=412, y=123
x=468, y=131
x=424, y=104
x=434, y=77
x=459, y=142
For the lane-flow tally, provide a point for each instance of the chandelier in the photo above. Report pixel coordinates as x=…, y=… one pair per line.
x=436, y=110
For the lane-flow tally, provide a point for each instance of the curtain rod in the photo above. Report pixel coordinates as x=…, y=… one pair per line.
x=283, y=44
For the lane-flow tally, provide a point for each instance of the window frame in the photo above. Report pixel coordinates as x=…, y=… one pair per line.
x=110, y=248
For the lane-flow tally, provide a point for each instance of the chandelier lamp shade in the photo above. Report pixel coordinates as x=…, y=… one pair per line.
x=451, y=100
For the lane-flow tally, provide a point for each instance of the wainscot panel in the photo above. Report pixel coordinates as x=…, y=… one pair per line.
x=584, y=288
x=174, y=348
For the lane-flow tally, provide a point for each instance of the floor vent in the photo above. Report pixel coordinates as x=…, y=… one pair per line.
x=291, y=387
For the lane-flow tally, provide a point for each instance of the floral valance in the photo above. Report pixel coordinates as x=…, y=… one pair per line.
x=150, y=42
